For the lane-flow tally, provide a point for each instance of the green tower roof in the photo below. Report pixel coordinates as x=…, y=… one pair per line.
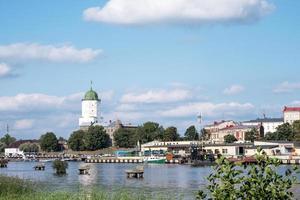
x=91, y=95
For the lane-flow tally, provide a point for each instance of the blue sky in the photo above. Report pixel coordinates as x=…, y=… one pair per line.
x=156, y=65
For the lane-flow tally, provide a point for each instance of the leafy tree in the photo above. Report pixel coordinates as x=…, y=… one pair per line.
x=229, y=138
x=48, y=142
x=171, y=134
x=2, y=147
x=262, y=180
x=60, y=167
x=296, y=130
x=76, y=140
x=29, y=147
x=96, y=138
x=149, y=131
x=7, y=139
x=252, y=135
x=125, y=138
x=270, y=136
x=285, y=132
x=191, y=133
x=205, y=134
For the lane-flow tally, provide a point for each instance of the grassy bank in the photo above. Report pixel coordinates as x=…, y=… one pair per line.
x=13, y=188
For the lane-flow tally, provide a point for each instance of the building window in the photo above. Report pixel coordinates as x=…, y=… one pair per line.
x=224, y=151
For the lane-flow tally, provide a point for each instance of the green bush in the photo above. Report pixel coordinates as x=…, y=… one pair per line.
x=256, y=181
x=60, y=167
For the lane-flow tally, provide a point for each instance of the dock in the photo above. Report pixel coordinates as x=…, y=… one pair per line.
x=115, y=160
x=85, y=170
x=138, y=172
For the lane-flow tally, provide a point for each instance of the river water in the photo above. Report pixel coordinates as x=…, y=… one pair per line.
x=180, y=181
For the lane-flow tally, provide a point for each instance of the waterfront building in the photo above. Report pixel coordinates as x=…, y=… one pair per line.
x=13, y=152
x=291, y=114
x=269, y=124
x=89, y=109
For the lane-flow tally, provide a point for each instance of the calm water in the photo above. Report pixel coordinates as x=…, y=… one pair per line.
x=178, y=180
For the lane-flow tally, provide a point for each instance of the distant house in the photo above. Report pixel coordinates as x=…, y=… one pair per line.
x=291, y=114
x=269, y=124
x=13, y=152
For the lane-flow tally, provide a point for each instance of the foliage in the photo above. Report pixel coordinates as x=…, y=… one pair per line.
x=149, y=131
x=283, y=132
x=191, y=133
x=2, y=147
x=7, y=139
x=171, y=134
x=229, y=138
x=205, y=134
x=257, y=181
x=296, y=130
x=96, y=138
x=48, y=142
x=14, y=186
x=29, y=147
x=60, y=167
x=252, y=135
x=125, y=138
x=76, y=141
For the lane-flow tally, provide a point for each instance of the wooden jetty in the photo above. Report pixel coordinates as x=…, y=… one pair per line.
x=3, y=163
x=138, y=172
x=85, y=170
x=39, y=167
x=115, y=160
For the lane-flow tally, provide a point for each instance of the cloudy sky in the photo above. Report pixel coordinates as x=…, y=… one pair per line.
x=164, y=61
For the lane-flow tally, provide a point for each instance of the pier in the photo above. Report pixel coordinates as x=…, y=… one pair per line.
x=115, y=160
x=138, y=172
x=39, y=167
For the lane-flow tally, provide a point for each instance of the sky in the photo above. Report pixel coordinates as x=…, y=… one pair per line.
x=149, y=60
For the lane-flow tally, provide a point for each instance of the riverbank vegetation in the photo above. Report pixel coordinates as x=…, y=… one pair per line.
x=13, y=188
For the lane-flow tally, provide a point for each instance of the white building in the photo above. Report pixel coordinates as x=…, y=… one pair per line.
x=291, y=114
x=13, y=152
x=269, y=124
x=216, y=126
x=90, y=109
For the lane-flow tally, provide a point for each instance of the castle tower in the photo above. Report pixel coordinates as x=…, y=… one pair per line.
x=89, y=108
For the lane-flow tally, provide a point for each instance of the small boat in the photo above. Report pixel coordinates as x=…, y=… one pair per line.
x=46, y=160
x=155, y=159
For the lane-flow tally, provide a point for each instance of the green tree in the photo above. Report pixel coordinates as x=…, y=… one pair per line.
x=191, y=133
x=262, y=180
x=29, y=147
x=205, y=134
x=96, y=138
x=76, y=140
x=252, y=135
x=48, y=142
x=2, y=147
x=7, y=139
x=149, y=131
x=296, y=130
x=125, y=138
x=229, y=138
x=171, y=134
x=285, y=132
x=60, y=167
x=271, y=136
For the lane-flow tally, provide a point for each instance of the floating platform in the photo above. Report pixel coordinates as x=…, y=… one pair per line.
x=138, y=172
x=39, y=167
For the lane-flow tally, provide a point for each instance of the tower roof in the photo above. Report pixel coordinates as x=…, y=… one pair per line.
x=91, y=95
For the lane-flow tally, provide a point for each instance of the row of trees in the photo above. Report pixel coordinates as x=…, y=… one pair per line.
x=150, y=131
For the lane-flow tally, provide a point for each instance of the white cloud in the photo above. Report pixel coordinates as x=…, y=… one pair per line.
x=23, y=124
x=178, y=11
x=157, y=96
x=5, y=69
x=208, y=109
x=59, y=53
x=234, y=89
x=286, y=87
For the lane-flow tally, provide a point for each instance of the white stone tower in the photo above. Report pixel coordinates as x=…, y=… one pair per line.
x=89, y=108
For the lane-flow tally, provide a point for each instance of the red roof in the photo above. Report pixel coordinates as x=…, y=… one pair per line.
x=291, y=109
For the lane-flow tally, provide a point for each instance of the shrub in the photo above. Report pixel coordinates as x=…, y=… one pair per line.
x=60, y=167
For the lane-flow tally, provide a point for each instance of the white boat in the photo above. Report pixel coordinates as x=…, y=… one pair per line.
x=154, y=159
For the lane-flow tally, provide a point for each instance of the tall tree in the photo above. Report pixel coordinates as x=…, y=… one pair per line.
x=2, y=147
x=48, y=142
x=205, y=134
x=125, y=138
x=96, y=138
x=76, y=140
x=191, y=133
x=285, y=132
x=149, y=131
x=252, y=135
x=171, y=134
x=296, y=130
x=229, y=138
x=7, y=139
x=29, y=147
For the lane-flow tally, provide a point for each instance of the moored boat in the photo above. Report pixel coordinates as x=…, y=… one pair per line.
x=155, y=159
